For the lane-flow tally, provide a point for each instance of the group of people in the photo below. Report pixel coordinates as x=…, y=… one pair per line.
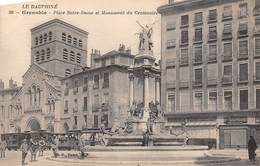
x=33, y=146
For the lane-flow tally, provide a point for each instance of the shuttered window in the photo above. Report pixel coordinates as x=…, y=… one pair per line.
x=257, y=98
x=171, y=102
x=243, y=48
x=184, y=56
x=212, y=52
x=198, y=76
x=184, y=20
x=184, y=36
x=257, y=47
x=212, y=15
x=243, y=10
x=228, y=101
x=243, y=28
x=198, y=101
x=198, y=54
x=243, y=72
x=243, y=99
x=257, y=70
x=213, y=33
x=198, y=34
x=198, y=17
x=227, y=13
x=227, y=50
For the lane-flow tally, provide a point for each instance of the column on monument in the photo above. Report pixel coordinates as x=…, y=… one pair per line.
x=131, y=89
x=146, y=89
x=157, y=88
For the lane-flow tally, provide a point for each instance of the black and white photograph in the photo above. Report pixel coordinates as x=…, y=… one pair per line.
x=129, y=82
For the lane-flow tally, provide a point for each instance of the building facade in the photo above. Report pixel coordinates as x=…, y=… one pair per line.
x=210, y=69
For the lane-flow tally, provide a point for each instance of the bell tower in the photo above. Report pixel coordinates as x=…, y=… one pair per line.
x=59, y=47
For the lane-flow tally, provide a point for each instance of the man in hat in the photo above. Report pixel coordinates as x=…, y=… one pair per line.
x=24, y=148
x=42, y=145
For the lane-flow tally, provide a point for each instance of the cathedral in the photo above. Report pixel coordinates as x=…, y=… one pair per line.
x=60, y=92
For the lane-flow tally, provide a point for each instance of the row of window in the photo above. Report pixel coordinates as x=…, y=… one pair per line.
x=71, y=56
x=198, y=106
x=104, y=121
x=212, y=35
x=71, y=40
x=96, y=83
x=11, y=111
x=227, y=53
x=43, y=38
x=227, y=77
x=213, y=15
x=42, y=55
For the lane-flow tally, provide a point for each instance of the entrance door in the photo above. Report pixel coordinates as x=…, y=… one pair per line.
x=227, y=140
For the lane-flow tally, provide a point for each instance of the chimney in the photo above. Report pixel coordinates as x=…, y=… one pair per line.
x=11, y=83
x=2, y=85
x=94, y=54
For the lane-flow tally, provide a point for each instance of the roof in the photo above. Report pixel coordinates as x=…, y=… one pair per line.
x=55, y=21
x=187, y=5
x=114, y=52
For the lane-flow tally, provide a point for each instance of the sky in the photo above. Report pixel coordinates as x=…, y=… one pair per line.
x=105, y=32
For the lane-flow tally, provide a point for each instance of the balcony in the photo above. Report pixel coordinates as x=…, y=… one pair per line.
x=197, y=40
x=212, y=58
x=197, y=83
x=197, y=22
x=242, y=79
x=227, y=36
x=257, y=78
x=226, y=58
x=33, y=109
x=242, y=56
x=85, y=88
x=227, y=79
x=212, y=37
x=184, y=61
x=183, y=83
x=212, y=19
x=75, y=90
x=212, y=81
x=170, y=63
x=227, y=16
x=170, y=85
x=197, y=60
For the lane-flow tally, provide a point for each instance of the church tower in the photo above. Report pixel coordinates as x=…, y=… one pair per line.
x=59, y=47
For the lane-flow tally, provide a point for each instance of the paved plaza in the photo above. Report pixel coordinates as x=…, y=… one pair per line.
x=139, y=158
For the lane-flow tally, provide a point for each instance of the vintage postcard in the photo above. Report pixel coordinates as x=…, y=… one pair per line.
x=130, y=82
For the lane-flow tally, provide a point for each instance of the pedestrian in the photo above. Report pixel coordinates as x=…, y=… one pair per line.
x=3, y=146
x=251, y=149
x=42, y=145
x=24, y=148
x=33, y=149
x=54, y=146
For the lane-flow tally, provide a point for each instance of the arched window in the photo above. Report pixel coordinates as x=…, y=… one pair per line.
x=75, y=41
x=69, y=39
x=37, y=56
x=78, y=58
x=40, y=39
x=36, y=41
x=42, y=55
x=72, y=56
x=48, y=53
x=63, y=37
x=50, y=36
x=65, y=54
x=45, y=38
x=67, y=72
x=80, y=43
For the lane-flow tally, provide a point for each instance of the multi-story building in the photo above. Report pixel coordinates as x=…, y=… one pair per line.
x=211, y=69
x=99, y=94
